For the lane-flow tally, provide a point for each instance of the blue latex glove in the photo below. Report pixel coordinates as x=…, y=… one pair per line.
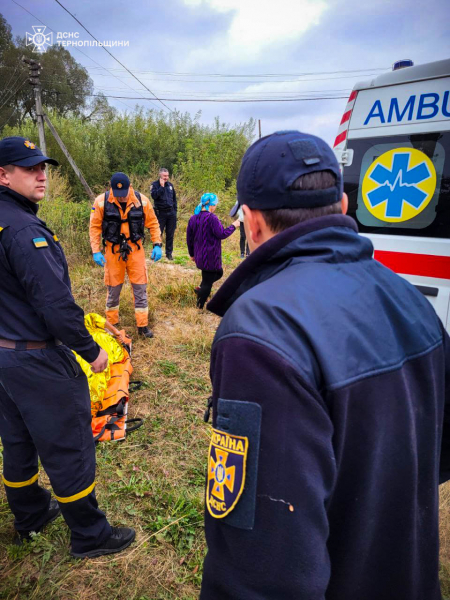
x=99, y=259
x=157, y=253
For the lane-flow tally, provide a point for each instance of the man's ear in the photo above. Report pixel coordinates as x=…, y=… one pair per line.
x=344, y=203
x=251, y=221
x=4, y=178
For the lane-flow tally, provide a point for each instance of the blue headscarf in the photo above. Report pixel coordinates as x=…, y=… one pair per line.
x=206, y=201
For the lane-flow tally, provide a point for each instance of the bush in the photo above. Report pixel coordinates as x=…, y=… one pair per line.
x=203, y=158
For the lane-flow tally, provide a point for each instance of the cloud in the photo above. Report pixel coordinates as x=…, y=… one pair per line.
x=256, y=24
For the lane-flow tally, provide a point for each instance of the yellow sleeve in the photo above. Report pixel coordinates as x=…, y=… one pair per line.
x=95, y=223
x=150, y=220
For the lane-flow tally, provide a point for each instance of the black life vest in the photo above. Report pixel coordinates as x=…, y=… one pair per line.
x=113, y=219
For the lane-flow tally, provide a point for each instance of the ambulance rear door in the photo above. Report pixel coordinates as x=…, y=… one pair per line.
x=398, y=179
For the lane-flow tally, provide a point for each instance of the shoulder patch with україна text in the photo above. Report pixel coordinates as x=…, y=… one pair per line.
x=227, y=460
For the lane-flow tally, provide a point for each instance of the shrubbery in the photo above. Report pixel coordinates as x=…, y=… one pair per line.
x=203, y=158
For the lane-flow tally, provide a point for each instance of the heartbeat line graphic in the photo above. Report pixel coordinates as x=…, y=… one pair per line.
x=398, y=182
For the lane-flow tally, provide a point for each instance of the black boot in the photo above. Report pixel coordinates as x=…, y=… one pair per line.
x=120, y=538
x=53, y=513
x=145, y=332
x=169, y=257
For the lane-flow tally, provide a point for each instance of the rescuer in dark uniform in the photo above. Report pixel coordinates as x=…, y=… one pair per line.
x=165, y=198
x=44, y=396
x=325, y=457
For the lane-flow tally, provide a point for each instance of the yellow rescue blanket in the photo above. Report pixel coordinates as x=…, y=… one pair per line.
x=110, y=389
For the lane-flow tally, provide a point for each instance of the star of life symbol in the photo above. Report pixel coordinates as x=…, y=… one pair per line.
x=39, y=38
x=399, y=184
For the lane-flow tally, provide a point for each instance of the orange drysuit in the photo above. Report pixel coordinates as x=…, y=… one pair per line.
x=135, y=266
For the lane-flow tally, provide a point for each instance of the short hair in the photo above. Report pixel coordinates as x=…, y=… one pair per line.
x=279, y=219
x=9, y=168
x=163, y=170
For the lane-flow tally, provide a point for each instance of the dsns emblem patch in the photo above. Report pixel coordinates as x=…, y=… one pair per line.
x=226, y=472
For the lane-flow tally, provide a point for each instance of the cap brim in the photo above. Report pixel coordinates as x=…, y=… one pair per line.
x=235, y=208
x=31, y=161
x=120, y=193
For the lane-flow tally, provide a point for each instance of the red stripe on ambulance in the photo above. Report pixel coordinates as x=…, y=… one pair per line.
x=346, y=116
x=425, y=265
x=340, y=138
x=345, y=121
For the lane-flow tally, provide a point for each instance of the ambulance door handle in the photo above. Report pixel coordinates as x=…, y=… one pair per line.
x=428, y=291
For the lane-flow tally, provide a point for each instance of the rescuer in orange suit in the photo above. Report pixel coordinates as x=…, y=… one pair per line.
x=119, y=216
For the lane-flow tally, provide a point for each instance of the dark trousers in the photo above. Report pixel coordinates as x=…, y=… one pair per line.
x=45, y=411
x=208, y=278
x=242, y=240
x=167, y=221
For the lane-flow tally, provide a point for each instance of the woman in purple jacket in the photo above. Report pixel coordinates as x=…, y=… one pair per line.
x=204, y=235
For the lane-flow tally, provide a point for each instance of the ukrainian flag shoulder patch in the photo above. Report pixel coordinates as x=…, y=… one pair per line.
x=40, y=242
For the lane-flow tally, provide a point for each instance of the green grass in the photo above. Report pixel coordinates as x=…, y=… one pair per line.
x=153, y=480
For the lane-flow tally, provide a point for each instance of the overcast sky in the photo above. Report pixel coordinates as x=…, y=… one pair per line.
x=314, y=47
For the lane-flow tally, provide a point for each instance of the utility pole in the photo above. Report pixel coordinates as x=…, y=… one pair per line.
x=259, y=123
x=35, y=71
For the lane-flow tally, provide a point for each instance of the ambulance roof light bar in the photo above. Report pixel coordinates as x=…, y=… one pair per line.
x=402, y=64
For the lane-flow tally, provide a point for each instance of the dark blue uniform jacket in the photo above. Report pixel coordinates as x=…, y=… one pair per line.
x=350, y=367
x=36, y=301
x=165, y=197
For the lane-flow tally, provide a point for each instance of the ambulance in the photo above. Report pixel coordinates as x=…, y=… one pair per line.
x=393, y=146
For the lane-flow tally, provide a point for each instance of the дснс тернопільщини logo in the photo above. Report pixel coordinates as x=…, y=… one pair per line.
x=39, y=38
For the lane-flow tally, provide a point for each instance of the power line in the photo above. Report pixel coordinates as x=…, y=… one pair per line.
x=8, y=119
x=13, y=108
x=366, y=74
x=13, y=91
x=251, y=81
x=86, y=55
x=221, y=100
x=174, y=73
x=220, y=75
x=208, y=93
x=11, y=78
x=116, y=59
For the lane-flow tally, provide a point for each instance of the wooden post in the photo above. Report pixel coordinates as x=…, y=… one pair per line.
x=40, y=119
x=69, y=158
x=35, y=71
x=259, y=123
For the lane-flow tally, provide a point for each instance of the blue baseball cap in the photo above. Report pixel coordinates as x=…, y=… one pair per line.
x=19, y=151
x=272, y=164
x=120, y=184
